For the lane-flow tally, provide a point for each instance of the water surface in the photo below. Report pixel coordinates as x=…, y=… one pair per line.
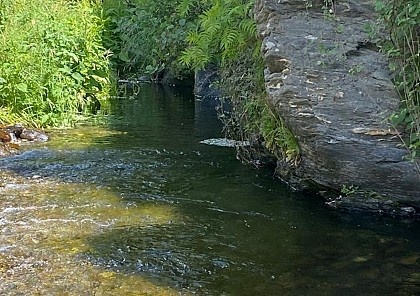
x=136, y=205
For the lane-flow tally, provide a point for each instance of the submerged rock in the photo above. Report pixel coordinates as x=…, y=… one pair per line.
x=33, y=135
x=223, y=142
x=331, y=86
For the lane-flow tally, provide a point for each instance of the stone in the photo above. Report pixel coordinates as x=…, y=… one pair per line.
x=331, y=86
x=207, y=83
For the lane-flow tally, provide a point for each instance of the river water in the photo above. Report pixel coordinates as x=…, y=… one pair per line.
x=135, y=205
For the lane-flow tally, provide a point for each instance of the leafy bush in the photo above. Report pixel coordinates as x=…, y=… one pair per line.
x=146, y=36
x=53, y=67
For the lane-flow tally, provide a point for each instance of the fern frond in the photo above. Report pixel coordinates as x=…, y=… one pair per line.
x=213, y=29
x=225, y=27
x=194, y=57
x=207, y=39
x=193, y=37
x=248, y=26
x=211, y=15
x=232, y=47
x=249, y=8
x=229, y=37
x=237, y=11
x=184, y=7
x=186, y=58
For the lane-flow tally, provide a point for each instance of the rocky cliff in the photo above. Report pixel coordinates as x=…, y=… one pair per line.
x=331, y=85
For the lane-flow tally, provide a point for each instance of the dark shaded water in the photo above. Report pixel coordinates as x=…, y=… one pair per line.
x=137, y=206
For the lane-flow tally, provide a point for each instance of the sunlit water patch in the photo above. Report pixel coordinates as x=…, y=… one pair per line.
x=136, y=205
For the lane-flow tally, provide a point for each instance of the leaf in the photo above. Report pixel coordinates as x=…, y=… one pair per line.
x=414, y=138
x=184, y=7
x=45, y=118
x=65, y=69
x=150, y=68
x=99, y=79
x=228, y=38
x=73, y=56
x=23, y=87
x=379, y=5
x=77, y=76
x=182, y=22
x=123, y=55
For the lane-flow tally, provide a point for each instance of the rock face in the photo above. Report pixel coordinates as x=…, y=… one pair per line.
x=332, y=87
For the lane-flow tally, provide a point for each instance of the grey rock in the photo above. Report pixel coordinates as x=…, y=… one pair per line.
x=33, y=135
x=207, y=83
x=332, y=88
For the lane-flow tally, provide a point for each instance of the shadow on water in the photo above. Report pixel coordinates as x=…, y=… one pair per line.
x=140, y=199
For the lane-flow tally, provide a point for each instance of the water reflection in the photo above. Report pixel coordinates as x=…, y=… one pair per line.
x=139, y=206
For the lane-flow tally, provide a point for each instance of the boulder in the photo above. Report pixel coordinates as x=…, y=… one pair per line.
x=331, y=86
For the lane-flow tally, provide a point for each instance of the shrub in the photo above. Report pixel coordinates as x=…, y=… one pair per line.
x=147, y=36
x=53, y=67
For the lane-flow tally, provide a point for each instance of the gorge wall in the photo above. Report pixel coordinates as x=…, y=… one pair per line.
x=331, y=86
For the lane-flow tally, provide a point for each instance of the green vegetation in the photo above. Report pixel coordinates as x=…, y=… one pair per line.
x=225, y=28
x=402, y=20
x=181, y=36
x=53, y=67
x=146, y=36
x=226, y=37
x=252, y=117
x=348, y=190
x=56, y=58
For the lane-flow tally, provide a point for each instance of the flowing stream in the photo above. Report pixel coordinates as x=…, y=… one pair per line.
x=136, y=205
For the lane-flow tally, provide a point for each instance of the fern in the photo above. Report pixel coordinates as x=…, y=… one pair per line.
x=225, y=28
x=229, y=37
x=193, y=37
x=184, y=7
x=193, y=7
x=248, y=26
x=195, y=58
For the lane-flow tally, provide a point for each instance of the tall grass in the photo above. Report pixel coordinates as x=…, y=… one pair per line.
x=53, y=67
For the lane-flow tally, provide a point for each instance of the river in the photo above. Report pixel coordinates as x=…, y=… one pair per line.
x=135, y=205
